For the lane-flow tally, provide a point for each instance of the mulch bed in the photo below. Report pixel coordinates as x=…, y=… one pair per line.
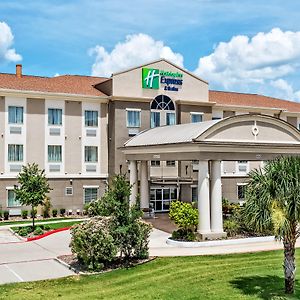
x=118, y=263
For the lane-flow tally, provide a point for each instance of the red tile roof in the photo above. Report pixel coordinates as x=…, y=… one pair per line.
x=84, y=85
x=69, y=84
x=254, y=100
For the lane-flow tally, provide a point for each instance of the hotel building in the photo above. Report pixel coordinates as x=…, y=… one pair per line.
x=75, y=127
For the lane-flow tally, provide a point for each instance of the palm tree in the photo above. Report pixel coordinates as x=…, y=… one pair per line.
x=273, y=203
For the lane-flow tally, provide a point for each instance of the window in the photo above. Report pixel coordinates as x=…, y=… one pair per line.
x=54, y=116
x=194, y=194
x=162, y=102
x=155, y=119
x=54, y=153
x=170, y=163
x=11, y=199
x=90, y=154
x=15, y=115
x=69, y=191
x=155, y=163
x=15, y=152
x=171, y=118
x=242, y=166
x=241, y=191
x=90, y=194
x=216, y=118
x=162, y=111
x=133, y=118
x=91, y=118
x=196, y=117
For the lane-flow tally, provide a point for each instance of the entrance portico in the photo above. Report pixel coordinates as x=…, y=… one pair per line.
x=243, y=137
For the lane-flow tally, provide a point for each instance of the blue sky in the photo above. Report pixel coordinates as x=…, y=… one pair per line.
x=248, y=45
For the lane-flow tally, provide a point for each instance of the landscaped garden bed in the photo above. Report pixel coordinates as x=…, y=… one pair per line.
x=118, y=263
x=29, y=231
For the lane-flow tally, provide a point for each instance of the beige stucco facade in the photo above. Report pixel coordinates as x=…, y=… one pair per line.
x=173, y=167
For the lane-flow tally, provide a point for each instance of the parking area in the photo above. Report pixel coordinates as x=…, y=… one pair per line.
x=32, y=270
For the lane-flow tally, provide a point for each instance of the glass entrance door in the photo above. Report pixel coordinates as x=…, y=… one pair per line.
x=161, y=197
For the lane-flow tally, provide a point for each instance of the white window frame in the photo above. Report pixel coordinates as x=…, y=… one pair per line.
x=196, y=113
x=62, y=117
x=89, y=187
x=136, y=110
x=237, y=191
x=10, y=188
x=71, y=188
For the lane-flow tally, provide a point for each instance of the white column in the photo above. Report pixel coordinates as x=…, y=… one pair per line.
x=203, y=198
x=216, y=197
x=144, y=187
x=133, y=181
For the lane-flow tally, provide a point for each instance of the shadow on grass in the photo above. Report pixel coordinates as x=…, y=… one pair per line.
x=263, y=287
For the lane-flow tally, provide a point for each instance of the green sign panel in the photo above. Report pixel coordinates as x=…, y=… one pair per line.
x=153, y=78
x=150, y=78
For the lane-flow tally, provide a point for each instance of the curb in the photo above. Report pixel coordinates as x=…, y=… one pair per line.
x=180, y=244
x=38, y=237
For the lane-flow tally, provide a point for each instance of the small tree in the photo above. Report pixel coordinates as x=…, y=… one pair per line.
x=33, y=188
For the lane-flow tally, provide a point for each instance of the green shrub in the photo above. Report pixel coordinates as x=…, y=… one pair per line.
x=6, y=215
x=24, y=214
x=38, y=231
x=62, y=211
x=231, y=226
x=93, y=243
x=185, y=217
x=47, y=227
x=54, y=213
x=46, y=208
x=183, y=235
x=23, y=231
x=1, y=213
x=33, y=213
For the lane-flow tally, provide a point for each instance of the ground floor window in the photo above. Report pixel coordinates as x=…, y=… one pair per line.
x=194, y=193
x=241, y=191
x=11, y=199
x=161, y=197
x=171, y=163
x=155, y=163
x=90, y=194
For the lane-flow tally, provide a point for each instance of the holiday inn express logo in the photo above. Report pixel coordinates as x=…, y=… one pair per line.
x=150, y=78
x=153, y=78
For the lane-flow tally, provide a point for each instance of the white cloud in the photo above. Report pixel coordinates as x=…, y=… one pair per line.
x=6, y=40
x=135, y=50
x=285, y=90
x=264, y=59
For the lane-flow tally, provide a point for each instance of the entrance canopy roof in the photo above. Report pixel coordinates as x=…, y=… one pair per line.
x=242, y=137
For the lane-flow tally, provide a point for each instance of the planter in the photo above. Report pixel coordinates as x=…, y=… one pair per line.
x=261, y=239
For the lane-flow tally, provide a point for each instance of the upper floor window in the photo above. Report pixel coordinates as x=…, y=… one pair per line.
x=196, y=117
x=54, y=116
x=242, y=166
x=91, y=118
x=162, y=111
x=15, y=114
x=15, y=152
x=54, y=153
x=90, y=153
x=133, y=118
x=170, y=118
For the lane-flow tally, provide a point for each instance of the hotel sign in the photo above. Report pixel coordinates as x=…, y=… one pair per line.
x=154, y=78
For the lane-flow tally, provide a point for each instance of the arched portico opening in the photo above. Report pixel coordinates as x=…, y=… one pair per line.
x=243, y=137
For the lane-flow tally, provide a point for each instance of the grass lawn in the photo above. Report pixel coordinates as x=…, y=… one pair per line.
x=29, y=221
x=54, y=225
x=240, y=276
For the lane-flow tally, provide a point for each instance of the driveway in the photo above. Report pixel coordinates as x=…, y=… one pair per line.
x=28, y=261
